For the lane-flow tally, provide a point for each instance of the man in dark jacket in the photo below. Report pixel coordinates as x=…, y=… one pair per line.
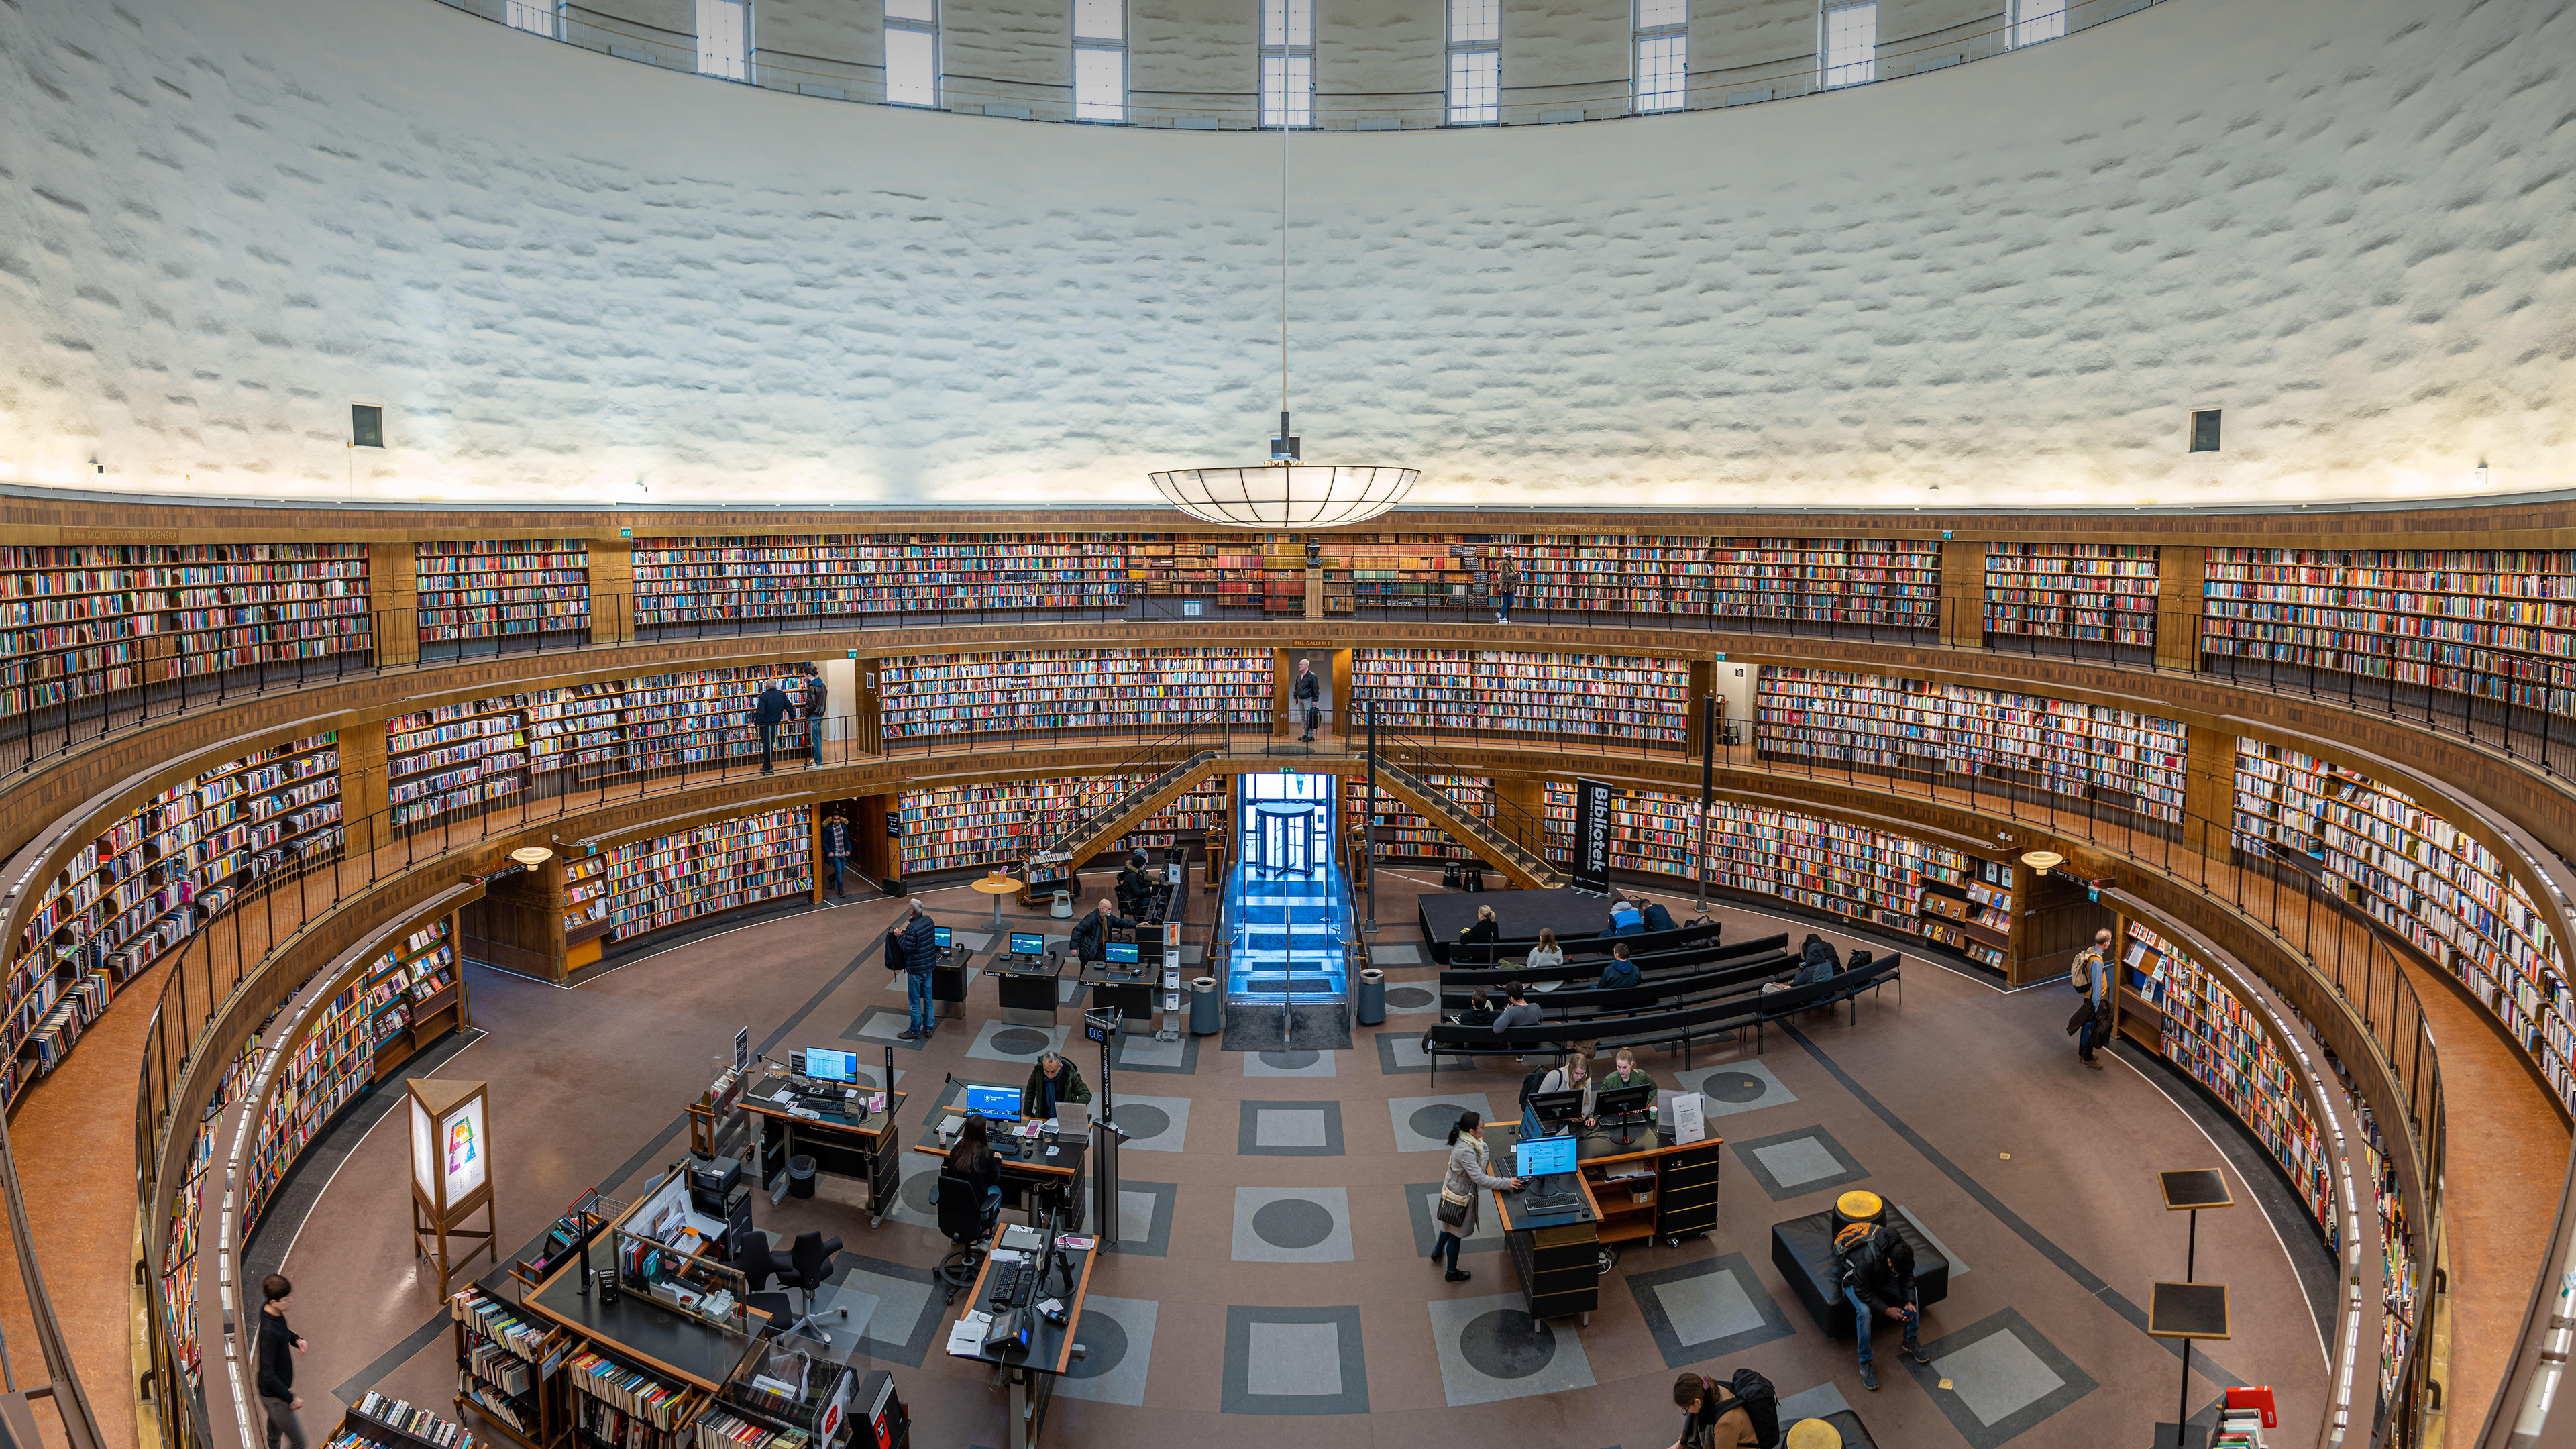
x=1621, y=973
x=1091, y=933
x=1136, y=889
x=278, y=1346
x=1307, y=694
x=1657, y=918
x=767, y=711
x=1051, y=1081
x=817, y=696
x=920, y=941
x=1878, y=1280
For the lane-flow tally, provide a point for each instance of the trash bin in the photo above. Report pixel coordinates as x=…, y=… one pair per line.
x=800, y=1176
x=1372, y=997
x=1205, y=1016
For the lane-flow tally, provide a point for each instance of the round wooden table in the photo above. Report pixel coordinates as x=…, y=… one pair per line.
x=997, y=886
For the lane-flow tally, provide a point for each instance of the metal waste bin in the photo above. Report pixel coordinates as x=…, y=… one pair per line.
x=800, y=1176
x=1372, y=1004
x=1205, y=1015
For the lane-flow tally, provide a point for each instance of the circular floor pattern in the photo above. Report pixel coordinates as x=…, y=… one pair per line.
x=916, y=1191
x=1435, y=1120
x=1105, y=1341
x=1732, y=1087
x=1020, y=1042
x=1409, y=996
x=1289, y=1061
x=1142, y=1121
x=1292, y=1223
x=1507, y=1344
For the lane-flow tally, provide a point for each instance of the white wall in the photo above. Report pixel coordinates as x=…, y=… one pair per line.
x=221, y=220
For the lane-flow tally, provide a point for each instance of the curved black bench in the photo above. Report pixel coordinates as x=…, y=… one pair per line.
x=1457, y=951
x=1675, y=987
x=1689, y=956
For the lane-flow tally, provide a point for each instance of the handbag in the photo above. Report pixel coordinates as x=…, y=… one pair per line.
x=1452, y=1212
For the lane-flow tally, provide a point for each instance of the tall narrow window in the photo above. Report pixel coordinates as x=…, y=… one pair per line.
x=537, y=17
x=1662, y=75
x=1287, y=62
x=1475, y=62
x=1099, y=60
x=912, y=52
x=2038, y=20
x=724, y=38
x=1851, y=44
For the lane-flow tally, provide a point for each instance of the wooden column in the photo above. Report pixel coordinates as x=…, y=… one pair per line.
x=393, y=596
x=612, y=589
x=363, y=787
x=1314, y=593
x=867, y=710
x=1703, y=683
x=1339, y=722
x=2179, y=575
x=2209, y=789
x=1524, y=815
x=1963, y=591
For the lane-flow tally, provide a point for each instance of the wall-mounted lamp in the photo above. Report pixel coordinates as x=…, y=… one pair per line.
x=532, y=856
x=2043, y=861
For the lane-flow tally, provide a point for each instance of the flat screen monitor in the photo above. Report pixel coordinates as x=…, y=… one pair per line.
x=1121, y=953
x=1002, y=1103
x=942, y=937
x=1544, y=1156
x=1027, y=943
x=831, y=1066
x=1554, y=1108
x=1618, y=1102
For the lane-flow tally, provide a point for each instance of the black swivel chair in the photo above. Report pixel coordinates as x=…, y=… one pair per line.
x=806, y=1269
x=964, y=1220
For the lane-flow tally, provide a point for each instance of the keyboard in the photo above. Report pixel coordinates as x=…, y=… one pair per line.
x=1006, y=1284
x=1553, y=1193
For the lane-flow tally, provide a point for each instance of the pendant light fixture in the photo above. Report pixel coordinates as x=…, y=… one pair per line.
x=1288, y=492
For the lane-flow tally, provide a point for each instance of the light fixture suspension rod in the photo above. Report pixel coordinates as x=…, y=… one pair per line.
x=1286, y=116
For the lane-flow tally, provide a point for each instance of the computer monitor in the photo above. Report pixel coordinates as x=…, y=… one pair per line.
x=831, y=1066
x=1624, y=1104
x=1544, y=1156
x=1121, y=953
x=1002, y=1103
x=1028, y=943
x=942, y=937
x=1555, y=1109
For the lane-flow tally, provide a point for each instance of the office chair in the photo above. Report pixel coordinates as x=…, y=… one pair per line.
x=808, y=1267
x=966, y=1217
x=753, y=1258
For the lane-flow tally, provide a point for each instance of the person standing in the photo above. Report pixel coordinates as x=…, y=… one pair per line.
x=2090, y=975
x=1051, y=1081
x=1506, y=584
x=1877, y=1273
x=766, y=712
x=1091, y=933
x=278, y=1346
x=1467, y=1176
x=920, y=942
x=817, y=696
x=836, y=848
x=1307, y=695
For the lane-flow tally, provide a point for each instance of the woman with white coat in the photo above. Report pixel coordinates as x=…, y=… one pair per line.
x=1458, y=1192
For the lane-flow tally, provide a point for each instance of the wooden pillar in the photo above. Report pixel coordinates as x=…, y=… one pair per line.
x=1963, y=592
x=1703, y=683
x=2179, y=576
x=867, y=710
x=1523, y=818
x=612, y=589
x=1314, y=592
x=2209, y=789
x=1283, y=679
x=1340, y=722
x=363, y=786
x=393, y=596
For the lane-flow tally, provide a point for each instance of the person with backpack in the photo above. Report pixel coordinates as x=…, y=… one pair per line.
x=1877, y=1276
x=2090, y=975
x=1722, y=1415
x=1816, y=963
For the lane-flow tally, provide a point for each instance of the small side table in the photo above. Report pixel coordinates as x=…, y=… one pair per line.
x=997, y=886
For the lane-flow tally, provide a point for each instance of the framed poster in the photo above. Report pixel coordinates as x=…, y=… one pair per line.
x=465, y=1156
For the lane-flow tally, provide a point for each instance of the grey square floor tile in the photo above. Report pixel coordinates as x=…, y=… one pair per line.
x=1290, y=1129
x=1145, y=1218
x=2006, y=1379
x=1424, y=1199
x=1289, y=1064
x=1400, y=1052
x=1141, y=1053
x=1490, y=1348
x=1958, y=1269
x=883, y=1026
x=1396, y=953
x=1154, y=1124
x=1292, y=1225
x=1816, y=1403
x=1794, y=1164
x=1422, y=1123
x=1745, y=1086
x=1119, y=1336
x=1412, y=998
x=1712, y=1308
x=1293, y=1361
x=1000, y=1041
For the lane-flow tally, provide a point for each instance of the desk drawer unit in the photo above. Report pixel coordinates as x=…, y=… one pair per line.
x=1686, y=1190
x=1560, y=1269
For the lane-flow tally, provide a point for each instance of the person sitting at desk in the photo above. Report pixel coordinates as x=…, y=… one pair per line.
x=1482, y=931
x=1621, y=973
x=972, y=1159
x=1716, y=1419
x=1051, y=1081
x=1546, y=955
x=1091, y=933
x=1574, y=1076
x=1135, y=887
x=1625, y=1072
x=1466, y=1176
x=1625, y=920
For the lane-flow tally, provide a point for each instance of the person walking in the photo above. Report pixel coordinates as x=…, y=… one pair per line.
x=766, y=712
x=278, y=1346
x=1877, y=1275
x=2090, y=975
x=1466, y=1177
x=920, y=942
x=836, y=847
x=1307, y=696
x=1506, y=584
x=817, y=696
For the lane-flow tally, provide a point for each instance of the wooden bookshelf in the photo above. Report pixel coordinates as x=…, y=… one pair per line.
x=618, y=1404
x=691, y=581
x=663, y=881
x=178, y=1267
x=506, y=1366
x=2426, y=881
x=2173, y=1006
x=1224, y=572
x=1205, y=809
x=1649, y=831
x=1403, y=835
x=1146, y=690
x=149, y=881
x=501, y=588
x=1004, y=822
x=2495, y=623
x=1500, y=691
x=2091, y=752
x=2401, y=1284
x=452, y=757
x=1884, y=583
x=2089, y=593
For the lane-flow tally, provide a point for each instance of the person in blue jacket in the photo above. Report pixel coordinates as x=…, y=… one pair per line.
x=1657, y=918
x=1626, y=920
x=1621, y=972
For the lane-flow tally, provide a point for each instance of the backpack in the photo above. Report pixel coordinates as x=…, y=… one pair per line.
x=1857, y=1248
x=1761, y=1404
x=894, y=951
x=1531, y=1083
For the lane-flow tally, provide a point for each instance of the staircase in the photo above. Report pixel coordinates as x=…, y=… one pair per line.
x=1522, y=866
x=1088, y=836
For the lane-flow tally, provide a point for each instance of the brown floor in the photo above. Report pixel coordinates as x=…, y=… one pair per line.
x=584, y=1079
